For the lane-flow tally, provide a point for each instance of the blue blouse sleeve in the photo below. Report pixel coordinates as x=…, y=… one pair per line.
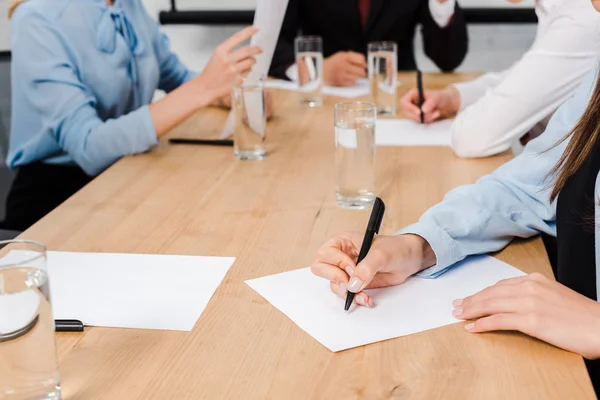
x=48, y=80
x=511, y=202
x=173, y=73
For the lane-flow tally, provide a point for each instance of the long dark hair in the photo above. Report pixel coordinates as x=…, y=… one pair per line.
x=583, y=137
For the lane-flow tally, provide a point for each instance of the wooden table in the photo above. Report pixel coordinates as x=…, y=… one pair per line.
x=272, y=215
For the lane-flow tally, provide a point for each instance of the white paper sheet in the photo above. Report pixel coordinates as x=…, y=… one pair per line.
x=404, y=132
x=360, y=89
x=268, y=18
x=417, y=305
x=131, y=290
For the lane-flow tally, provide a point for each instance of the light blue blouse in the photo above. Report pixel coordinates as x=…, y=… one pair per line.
x=511, y=202
x=83, y=75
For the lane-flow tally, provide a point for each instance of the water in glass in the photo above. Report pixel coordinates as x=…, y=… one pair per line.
x=382, y=78
x=28, y=363
x=310, y=77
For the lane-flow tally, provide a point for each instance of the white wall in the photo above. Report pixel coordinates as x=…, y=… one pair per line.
x=4, y=39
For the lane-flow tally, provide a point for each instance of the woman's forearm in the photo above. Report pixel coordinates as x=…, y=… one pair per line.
x=177, y=106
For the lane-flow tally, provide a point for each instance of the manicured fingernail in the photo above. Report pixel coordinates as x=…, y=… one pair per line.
x=349, y=270
x=457, y=303
x=457, y=312
x=360, y=300
x=355, y=285
x=469, y=326
x=343, y=287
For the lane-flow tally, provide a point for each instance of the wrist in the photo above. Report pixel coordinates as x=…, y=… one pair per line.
x=420, y=254
x=452, y=96
x=199, y=94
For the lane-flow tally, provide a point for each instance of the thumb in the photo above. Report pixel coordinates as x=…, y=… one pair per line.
x=364, y=273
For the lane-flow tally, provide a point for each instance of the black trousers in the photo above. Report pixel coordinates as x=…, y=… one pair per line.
x=39, y=188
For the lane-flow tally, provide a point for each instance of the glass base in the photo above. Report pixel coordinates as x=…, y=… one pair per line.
x=38, y=395
x=312, y=102
x=54, y=395
x=386, y=111
x=354, y=202
x=250, y=155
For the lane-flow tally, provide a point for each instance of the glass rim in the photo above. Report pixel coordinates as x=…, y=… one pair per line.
x=383, y=43
x=42, y=253
x=355, y=106
x=309, y=38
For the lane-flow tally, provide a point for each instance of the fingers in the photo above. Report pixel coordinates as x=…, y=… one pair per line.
x=357, y=60
x=365, y=271
x=409, y=105
x=243, y=67
x=356, y=72
x=361, y=298
x=488, y=293
x=237, y=38
x=490, y=306
x=430, y=108
x=245, y=52
x=497, y=322
x=329, y=272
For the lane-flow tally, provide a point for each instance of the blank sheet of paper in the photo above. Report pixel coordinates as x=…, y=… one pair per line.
x=417, y=305
x=133, y=290
x=404, y=132
x=360, y=89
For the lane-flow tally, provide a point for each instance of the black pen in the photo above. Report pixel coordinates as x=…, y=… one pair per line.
x=68, y=325
x=421, y=94
x=372, y=230
x=207, y=142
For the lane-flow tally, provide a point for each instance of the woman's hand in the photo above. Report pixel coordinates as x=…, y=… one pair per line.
x=539, y=307
x=390, y=261
x=228, y=67
x=438, y=104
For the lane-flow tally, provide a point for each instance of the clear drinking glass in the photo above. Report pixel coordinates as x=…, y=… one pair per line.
x=383, y=75
x=355, y=154
x=250, y=113
x=28, y=362
x=309, y=61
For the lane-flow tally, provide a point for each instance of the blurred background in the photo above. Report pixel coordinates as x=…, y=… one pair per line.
x=499, y=33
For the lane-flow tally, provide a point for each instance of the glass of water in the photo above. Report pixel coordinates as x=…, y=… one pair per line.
x=250, y=127
x=383, y=75
x=28, y=362
x=355, y=154
x=309, y=61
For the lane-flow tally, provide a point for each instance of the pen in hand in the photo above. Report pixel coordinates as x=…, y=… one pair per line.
x=421, y=94
x=372, y=229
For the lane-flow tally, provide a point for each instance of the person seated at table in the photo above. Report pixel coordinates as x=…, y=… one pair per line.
x=346, y=28
x=498, y=109
x=552, y=187
x=83, y=76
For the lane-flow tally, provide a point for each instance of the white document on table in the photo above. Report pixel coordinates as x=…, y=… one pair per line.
x=405, y=132
x=268, y=18
x=417, y=305
x=360, y=89
x=131, y=290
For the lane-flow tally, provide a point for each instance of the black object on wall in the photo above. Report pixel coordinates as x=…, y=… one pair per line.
x=245, y=17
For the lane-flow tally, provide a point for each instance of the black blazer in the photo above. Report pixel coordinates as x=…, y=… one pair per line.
x=338, y=23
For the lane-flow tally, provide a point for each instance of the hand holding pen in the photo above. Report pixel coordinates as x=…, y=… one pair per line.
x=389, y=262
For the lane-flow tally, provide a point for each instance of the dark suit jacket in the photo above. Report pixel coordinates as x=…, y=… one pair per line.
x=338, y=23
